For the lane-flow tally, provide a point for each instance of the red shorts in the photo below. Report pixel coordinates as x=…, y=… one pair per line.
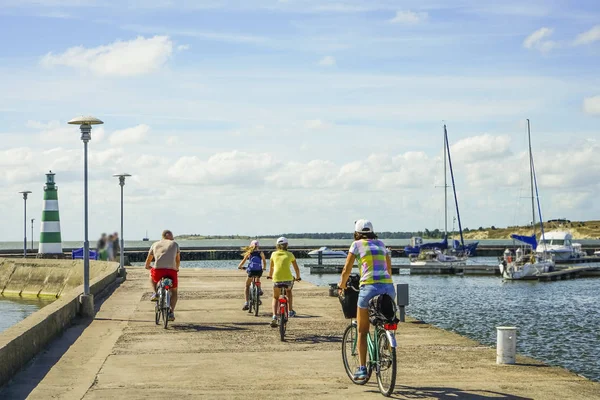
x=158, y=274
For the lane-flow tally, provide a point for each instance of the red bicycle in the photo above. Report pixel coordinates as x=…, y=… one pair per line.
x=283, y=306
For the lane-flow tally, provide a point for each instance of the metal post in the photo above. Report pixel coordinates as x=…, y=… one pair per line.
x=122, y=251
x=25, y=225
x=86, y=300
x=32, y=219
x=25, y=193
x=320, y=258
x=85, y=136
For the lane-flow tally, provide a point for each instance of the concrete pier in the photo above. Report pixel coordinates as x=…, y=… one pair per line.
x=216, y=350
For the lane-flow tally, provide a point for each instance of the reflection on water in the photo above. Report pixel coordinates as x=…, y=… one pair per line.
x=558, y=322
x=13, y=310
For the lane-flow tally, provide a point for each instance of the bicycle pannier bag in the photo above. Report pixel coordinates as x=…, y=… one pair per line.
x=382, y=310
x=349, y=298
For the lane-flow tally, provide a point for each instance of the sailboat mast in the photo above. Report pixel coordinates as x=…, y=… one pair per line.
x=531, y=175
x=462, y=241
x=445, y=189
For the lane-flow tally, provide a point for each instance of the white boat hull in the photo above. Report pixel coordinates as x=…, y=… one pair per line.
x=435, y=263
x=324, y=256
x=514, y=272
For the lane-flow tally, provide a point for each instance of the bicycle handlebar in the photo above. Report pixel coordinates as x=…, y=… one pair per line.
x=295, y=279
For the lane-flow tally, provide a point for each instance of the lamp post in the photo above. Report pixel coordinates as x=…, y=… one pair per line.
x=85, y=125
x=25, y=193
x=122, y=252
x=32, y=219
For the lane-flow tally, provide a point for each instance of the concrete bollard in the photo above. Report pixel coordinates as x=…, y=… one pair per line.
x=86, y=306
x=506, y=345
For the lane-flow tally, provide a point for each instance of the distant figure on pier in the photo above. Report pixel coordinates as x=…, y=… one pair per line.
x=110, y=248
x=101, y=247
x=116, y=246
x=279, y=271
x=257, y=263
x=375, y=266
x=167, y=258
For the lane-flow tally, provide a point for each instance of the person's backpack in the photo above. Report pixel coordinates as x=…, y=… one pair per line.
x=382, y=310
x=255, y=262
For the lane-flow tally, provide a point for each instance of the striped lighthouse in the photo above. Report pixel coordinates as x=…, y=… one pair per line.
x=50, y=240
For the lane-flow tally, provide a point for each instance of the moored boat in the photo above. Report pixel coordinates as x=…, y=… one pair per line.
x=326, y=252
x=528, y=264
x=436, y=258
x=560, y=245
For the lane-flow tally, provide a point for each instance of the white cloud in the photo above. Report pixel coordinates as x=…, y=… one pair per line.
x=315, y=124
x=134, y=135
x=537, y=40
x=327, y=61
x=55, y=132
x=228, y=168
x=121, y=58
x=17, y=156
x=183, y=47
x=591, y=105
x=481, y=148
x=409, y=17
x=587, y=37
x=315, y=174
x=173, y=140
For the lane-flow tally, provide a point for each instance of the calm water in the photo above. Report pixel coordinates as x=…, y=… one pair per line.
x=558, y=322
x=13, y=310
x=239, y=243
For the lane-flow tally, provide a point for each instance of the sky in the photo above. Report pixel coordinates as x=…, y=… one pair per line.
x=273, y=116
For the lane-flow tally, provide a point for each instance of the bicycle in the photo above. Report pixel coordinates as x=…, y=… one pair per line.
x=163, y=305
x=254, y=296
x=283, y=307
x=381, y=354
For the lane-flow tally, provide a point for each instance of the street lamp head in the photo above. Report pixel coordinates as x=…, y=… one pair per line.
x=121, y=178
x=25, y=193
x=85, y=120
x=85, y=125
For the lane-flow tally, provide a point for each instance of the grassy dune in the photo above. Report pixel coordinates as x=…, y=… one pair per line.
x=579, y=230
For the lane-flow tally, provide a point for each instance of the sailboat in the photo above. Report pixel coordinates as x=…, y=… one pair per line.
x=460, y=253
x=146, y=238
x=526, y=263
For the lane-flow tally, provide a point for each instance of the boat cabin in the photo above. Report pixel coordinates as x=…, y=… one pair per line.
x=557, y=239
x=416, y=241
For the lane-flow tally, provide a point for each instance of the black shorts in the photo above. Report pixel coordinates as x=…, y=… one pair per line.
x=255, y=273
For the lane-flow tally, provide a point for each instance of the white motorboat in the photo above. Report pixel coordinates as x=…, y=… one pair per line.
x=326, y=252
x=560, y=245
x=597, y=253
x=436, y=258
x=525, y=267
x=528, y=265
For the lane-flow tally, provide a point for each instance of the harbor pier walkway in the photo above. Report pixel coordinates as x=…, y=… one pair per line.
x=216, y=350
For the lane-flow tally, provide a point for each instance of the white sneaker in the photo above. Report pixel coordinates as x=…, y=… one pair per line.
x=154, y=297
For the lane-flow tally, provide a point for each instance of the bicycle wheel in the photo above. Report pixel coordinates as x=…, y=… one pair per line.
x=282, y=322
x=350, y=354
x=386, y=375
x=166, y=307
x=256, y=300
x=250, y=299
x=157, y=314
